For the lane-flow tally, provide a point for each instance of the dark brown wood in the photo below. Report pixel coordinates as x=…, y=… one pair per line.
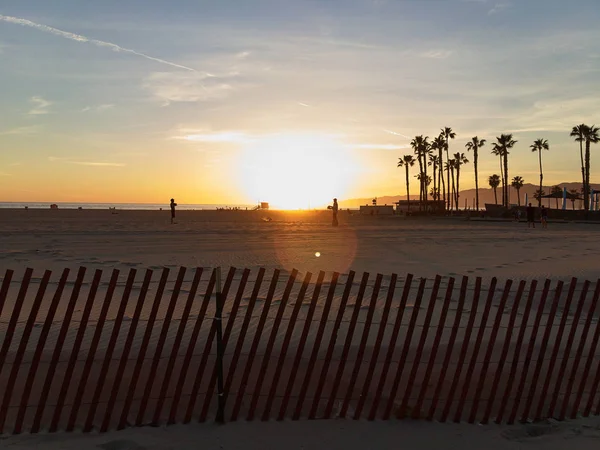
x=8, y=275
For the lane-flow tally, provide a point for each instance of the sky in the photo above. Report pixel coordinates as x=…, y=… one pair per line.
x=288, y=101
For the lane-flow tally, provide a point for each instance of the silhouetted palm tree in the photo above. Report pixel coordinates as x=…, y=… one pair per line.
x=556, y=190
x=592, y=136
x=494, y=182
x=578, y=132
x=573, y=194
x=537, y=146
x=439, y=144
x=433, y=161
x=538, y=194
x=421, y=147
x=448, y=134
x=459, y=160
x=475, y=144
x=407, y=161
x=517, y=183
x=505, y=142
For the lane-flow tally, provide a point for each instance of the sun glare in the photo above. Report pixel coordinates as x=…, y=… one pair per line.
x=296, y=171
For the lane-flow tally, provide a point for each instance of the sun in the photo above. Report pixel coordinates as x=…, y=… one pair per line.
x=295, y=171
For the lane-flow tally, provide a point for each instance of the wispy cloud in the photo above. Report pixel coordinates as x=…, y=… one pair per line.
x=85, y=163
x=397, y=134
x=437, y=54
x=40, y=106
x=188, y=87
x=498, y=7
x=20, y=131
x=379, y=146
x=235, y=137
x=84, y=39
x=98, y=108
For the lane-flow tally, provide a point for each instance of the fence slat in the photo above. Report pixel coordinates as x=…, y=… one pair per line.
x=226, y=334
x=284, y=348
x=377, y=348
x=16, y=365
x=89, y=421
x=191, y=347
x=505, y=348
x=57, y=351
x=542, y=353
x=362, y=346
x=66, y=384
x=143, y=349
x=405, y=348
x=243, y=331
x=530, y=350
x=37, y=356
x=391, y=347
x=317, y=344
x=126, y=350
x=517, y=352
x=93, y=349
x=347, y=344
x=255, y=343
x=401, y=413
x=176, y=345
x=578, y=358
x=304, y=336
x=271, y=342
x=593, y=392
x=8, y=275
x=565, y=359
x=206, y=352
x=471, y=368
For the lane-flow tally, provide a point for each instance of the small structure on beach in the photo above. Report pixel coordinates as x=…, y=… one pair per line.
x=377, y=210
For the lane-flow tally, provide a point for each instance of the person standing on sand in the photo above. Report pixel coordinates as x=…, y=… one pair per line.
x=335, y=208
x=544, y=217
x=530, y=216
x=173, y=205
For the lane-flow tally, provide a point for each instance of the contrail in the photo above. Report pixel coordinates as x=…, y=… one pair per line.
x=80, y=38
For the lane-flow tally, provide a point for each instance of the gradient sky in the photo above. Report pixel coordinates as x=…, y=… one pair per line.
x=142, y=100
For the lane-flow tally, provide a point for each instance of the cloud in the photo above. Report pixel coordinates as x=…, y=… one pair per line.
x=85, y=163
x=20, y=131
x=379, y=146
x=188, y=87
x=84, y=39
x=437, y=54
x=218, y=137
x=40, y=106
x=397, y=134
x=498, y=7
x=98, y=108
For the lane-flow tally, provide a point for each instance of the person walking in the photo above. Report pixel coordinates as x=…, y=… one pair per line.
x=544, y=217
x=335, y=209
x=173, y=205
x=530, y=216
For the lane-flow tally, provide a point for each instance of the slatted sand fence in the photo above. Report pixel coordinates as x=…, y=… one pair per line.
x=97, y=351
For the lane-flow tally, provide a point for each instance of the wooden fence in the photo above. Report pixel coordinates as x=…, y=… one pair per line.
x=93, y=352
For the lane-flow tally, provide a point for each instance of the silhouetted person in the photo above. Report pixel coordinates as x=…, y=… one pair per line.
x=544, y=217
x=335, y=208
x=173, y=205
x=530, y=216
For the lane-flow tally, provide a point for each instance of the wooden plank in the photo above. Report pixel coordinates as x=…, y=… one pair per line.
x=505, y=348
x=271, y=342
x=401, y=413
x=226, y=335
x=16, y=364
x=89, y=421
x=93, y=349
x=347, y=344
x=304, y=336
x=177, y=345
x=593, y=392
x=579, y=356
x=571, y=338
x=205, y=354
x=517, y=352
x=405, y=348
x=57, y=351
x=255, y=342
x=471, y=368
x=123, y=419
x=68, y=375
x=377, y=348
x=542, y=353
x=37, y=356
x=391, y=347
x=285, y=346
x=125, y=354
x=362, y=346
x=530, y=349
x=8, y=275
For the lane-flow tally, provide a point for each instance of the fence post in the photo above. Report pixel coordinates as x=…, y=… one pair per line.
x=219, y=325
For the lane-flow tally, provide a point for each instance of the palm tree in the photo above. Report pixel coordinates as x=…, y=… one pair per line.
x=448, y=134
x=537, y=146
x=579, y=132
x=451, y=165
x=475, y=144
x=494, y=182
x=421, y=147
x=517, y=183
x=573, y=194
x=439, y=144
x=459, y=160
x=407, y=161
x=592, y=136
x=539, y=194
x=497, y=150
x=556, y=190
x=433, y=161
x=505, y=142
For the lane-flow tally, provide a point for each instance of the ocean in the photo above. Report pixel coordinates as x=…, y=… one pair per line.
x=131, y=206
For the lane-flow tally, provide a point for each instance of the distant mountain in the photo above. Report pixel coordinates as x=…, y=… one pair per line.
x=486, y=195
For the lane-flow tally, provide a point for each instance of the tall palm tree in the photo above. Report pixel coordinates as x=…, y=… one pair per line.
x=537, y=146
x=579, y=132
x=517, y=183
x=497, y=150
x=592, y=136
x=459, y=160
x=416, y=146
x=439, y=144
x=407, y=161
x=433, y=161
x=474, y=145
x=448, y=134
x=421, y=147
x=556, y=190
x=494, y=182
x=538, y=194
x=505, y=142
x=573, y=194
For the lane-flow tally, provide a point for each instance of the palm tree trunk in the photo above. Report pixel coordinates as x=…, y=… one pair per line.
x=457, y=187
x=495, y=196
x=518, y=196
x=421, y=182
x=441, y=175
x=587, y=174
x=407, y=188
x=542, y=177
x=448, y=176
x=502, y=179
x=425, y=194
x=453, y=187
x=585, y=199
x=476, y=179
x=507, y=198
